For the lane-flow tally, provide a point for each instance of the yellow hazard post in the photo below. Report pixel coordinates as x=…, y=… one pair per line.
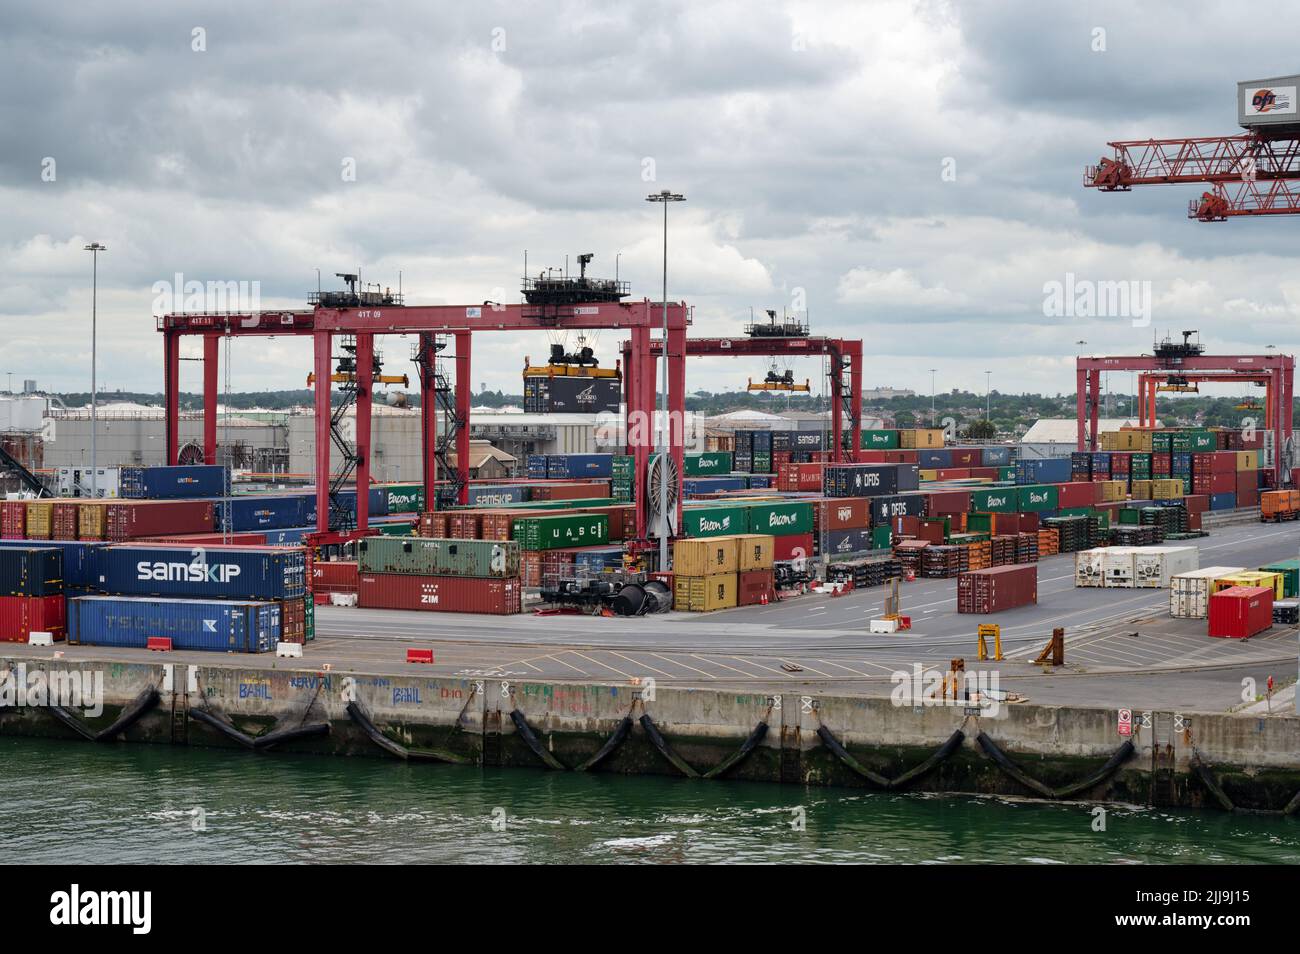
x=985, y=631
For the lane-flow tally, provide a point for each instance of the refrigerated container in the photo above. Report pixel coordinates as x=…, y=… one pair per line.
x=1090, y=567
x=1154, y=566
x=1189, y=593
x=1117, y=562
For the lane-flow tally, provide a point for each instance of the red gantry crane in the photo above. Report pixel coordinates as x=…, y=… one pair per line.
x=1253, y=173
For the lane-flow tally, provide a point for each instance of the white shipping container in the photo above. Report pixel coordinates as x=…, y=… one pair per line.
x=1117, y=562
x=1153, y=566
x=1189, y=593
x=1089, y=567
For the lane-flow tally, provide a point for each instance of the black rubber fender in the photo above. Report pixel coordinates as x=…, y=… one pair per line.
x=129, y=716
x=1211, y=784
x=362, y=718
x=666, y=750
x=841, y=753
x=742, y=753
x=222, y=726
x=533, y=742
x=280, y=736
x=1117, y=758
x=611, y=745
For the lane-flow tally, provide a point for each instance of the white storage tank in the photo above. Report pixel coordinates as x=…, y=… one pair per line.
x=1153, y=566
x=1268, y=102
x=1189, y=593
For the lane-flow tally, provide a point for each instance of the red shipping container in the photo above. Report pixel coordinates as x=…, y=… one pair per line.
x=1244, y=480
x=947, y=501
x=20, y=616
x=334, y=576
x=1193, y=521
x=1240, y=612
x=567, y=490
x=872, y=457
x=1248, y=498
x=965, y=457
x=211, y=539
x=984, y=473
x=792, y=546
x=844, y=513
x=446, y=594
x=150, y=518
x=902, y=457
x=997, y=588
x=953, y=473
x=13, y=520
x=755, y=586
x=463, y=525
x=1077, y=495
x=1121, y=465
x=1196, y=503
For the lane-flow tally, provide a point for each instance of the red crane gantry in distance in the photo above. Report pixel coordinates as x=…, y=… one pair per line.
x=458, y=322
x=1253, y=173
x=845, y=361
x=1277, y=371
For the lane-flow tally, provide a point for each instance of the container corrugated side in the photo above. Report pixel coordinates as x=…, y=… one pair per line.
x=205, y=572
x=447, y=594
x=31, y=572
x=427, y=556
x=211, y=626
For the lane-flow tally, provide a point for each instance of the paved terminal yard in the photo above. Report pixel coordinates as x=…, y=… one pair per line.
x=1122, y=648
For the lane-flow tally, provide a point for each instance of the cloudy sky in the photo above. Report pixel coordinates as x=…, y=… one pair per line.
x=911, y=170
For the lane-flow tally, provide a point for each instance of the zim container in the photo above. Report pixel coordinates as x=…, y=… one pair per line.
x=213, y=572
x=214, y=626
x=424, y=556
x=20, y=616
x=445, y=594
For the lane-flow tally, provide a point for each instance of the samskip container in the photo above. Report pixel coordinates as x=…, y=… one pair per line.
x=1189, y=593
x=212, y=572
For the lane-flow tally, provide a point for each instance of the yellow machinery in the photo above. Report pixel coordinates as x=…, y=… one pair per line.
x=779, y=381
x=988, y=631
x=348, y=377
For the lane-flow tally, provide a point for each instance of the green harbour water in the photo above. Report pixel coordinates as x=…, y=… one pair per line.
x=68, y=802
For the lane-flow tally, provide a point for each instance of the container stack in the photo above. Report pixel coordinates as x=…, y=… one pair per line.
x=439, y=575
x=722, y=572
x=31, y=593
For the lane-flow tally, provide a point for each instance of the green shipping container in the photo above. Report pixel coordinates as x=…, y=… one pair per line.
x=762, y=464
x=429, y=556
x=1005, y=500
x=309, y=619
x=708, y=464
x=1195, y=442
x=715, y=521
x=880, y=440
x=1290, y=570
x=1162, y=442
x=1035, y=497
x=1006, y=473
x=882, y=537
x=405, y=498
x=781, y=519
x=561, y=531
x=394, y=529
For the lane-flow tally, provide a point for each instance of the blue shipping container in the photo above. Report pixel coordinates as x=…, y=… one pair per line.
x=693, y=486
x=537, y=466
x=1223, y=501
x=485, y=495
x=1046, y=470
x=79, y=564
x=221, y=573
x=759, y=481
x=995, y=456
x=934, y=459
x=576, y=466
x=909, y=477
x=129, y=621
x=839, y=542
x=266, y=511
x=171, y=483
x=290, y=536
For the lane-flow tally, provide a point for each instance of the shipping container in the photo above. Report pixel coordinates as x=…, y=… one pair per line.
x=755, y=587
x=78, y=564
x=710, y=464
x=792, y=547
x=334, y=576
x=1154, y=566
x=487, y=495
x=574, y=466
x=999, y=588
x=13, y=520
x=845, y=513
x=705, y=556
x=20, y=616
x=715, y=520
x=1045, y=470
x=704, y=594
x=920, y=438
x=1034, y=499
x=780, y=519
x=949, y=501
x=1289, y=570
x=404, y=498
x=560, y=531
x=1253, y=578
x=1189, y=593
x=1002, y=500
x=213, y=573
x=31, y=572
x=446, y=594
x=571, y=394
x=840, y=542
x=1090, y=567
x=879, y=440
x=861, y=480
x=169, y=483
x=423, y=556
x=217, y=626
x=995, y=456
x=1240, y=612
x=1117, y=562
x=755, y=551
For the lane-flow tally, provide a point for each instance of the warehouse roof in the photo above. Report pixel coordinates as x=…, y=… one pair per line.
x=1064, y=430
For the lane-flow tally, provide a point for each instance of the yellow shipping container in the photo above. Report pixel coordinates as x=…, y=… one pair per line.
x=700, y=556
x=755, y=551
x=1141, y=489
x=1112, y=490
x=927, y=474
x=921, y=438
x=1274, y=581
x=704, y=594
x=1166, y=489
x=40, y=519
x=1248, y=460
x=90, y=520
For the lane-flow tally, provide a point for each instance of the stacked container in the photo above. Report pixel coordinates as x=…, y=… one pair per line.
x=440, y=575
x=31, y=593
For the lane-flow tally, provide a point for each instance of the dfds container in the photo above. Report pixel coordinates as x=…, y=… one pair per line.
x=440, y=594
x=997, y=588
x=423, y=556
x=169, y=483
x=885, y=509
x=221, y=626
x=1241, y=611
x=31, y=572
x=561, y=531
x=860, y=480
x=20, y=616
x=213, y=573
